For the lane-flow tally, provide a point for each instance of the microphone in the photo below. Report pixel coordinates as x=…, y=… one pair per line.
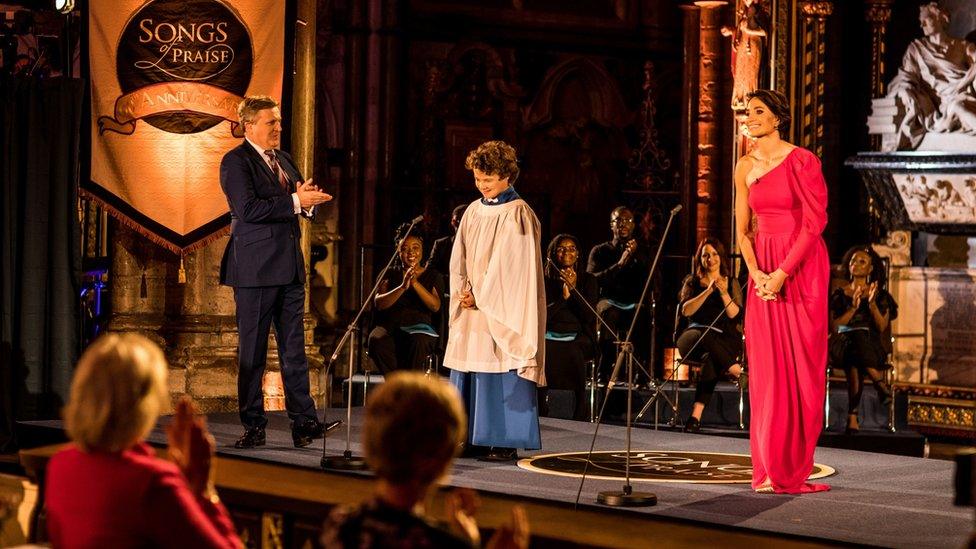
x=676, y=209
x=420, y=218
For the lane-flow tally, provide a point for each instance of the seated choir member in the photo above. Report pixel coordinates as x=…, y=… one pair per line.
x=414, y=427
x=620, y=266
x=408, y=298
x=440, y=252
x=860, y=314
x=706, y=294
x=108, y=488
x=570, y=324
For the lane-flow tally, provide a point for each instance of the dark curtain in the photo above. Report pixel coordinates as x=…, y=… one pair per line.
x=40, y=129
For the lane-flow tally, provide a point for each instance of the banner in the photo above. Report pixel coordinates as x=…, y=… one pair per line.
x=166, y=78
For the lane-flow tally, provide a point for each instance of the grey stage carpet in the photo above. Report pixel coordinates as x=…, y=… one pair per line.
x=876, y=499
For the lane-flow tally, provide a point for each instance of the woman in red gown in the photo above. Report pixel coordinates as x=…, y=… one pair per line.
x=786, y=323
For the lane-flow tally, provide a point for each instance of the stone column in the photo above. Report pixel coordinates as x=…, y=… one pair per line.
x=303, y=152
x=710, y=70
x=193, y=322
x=813, y=27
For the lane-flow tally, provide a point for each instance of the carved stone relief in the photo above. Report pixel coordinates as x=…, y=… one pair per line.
x=938, y=198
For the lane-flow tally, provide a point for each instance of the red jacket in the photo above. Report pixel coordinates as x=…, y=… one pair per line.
x=129, y=499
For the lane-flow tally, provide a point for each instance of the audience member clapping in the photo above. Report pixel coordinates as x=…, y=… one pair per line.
x=414, y=427
x=108, y=488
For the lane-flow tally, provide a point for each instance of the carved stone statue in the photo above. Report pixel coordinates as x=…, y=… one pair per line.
x=933, y=92
x=748, y=38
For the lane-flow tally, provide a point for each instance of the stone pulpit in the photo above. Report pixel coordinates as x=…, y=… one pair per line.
x=924, y=184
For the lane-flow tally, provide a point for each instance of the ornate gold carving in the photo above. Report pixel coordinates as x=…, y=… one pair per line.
x=940, y=408
x=814, y=27
x=878, y=12
x=953, y=415
x=820, y=9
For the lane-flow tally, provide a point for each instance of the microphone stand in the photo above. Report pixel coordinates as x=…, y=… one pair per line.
x=627, y=497
x=348, y=461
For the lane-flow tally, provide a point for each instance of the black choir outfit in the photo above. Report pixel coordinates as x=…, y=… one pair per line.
x=405, y=334
x=620, y=288
x=721, y=346
x=857, y=347
x=571, y=338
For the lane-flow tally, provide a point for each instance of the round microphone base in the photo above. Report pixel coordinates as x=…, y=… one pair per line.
x=345, y=462
x=626, y=498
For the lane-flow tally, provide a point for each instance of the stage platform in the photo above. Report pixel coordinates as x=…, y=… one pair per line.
x=876, y=499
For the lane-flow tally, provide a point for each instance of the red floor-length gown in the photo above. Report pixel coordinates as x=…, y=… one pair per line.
x=786, y=339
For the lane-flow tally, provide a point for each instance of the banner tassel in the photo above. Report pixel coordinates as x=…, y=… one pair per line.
x=181, y=276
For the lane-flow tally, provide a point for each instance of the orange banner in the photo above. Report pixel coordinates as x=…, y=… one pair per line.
x=166, y=79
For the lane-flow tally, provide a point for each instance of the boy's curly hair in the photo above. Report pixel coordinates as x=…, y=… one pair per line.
x=494, y=158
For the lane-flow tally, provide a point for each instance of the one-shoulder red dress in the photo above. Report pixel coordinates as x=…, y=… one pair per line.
x=786, y=339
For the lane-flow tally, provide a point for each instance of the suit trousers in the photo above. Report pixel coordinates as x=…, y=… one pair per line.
x=258, y=309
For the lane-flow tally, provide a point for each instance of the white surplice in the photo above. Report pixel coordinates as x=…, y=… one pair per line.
x=497, y=254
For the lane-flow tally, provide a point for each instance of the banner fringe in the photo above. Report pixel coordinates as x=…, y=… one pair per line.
x=153, y=237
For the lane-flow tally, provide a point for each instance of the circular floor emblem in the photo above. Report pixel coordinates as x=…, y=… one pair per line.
x=656, y=466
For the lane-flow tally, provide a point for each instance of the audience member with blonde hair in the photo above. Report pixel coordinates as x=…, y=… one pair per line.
x=414, y=427
x=108, y=488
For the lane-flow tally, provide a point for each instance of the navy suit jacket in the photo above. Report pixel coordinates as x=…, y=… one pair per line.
x=264, y=247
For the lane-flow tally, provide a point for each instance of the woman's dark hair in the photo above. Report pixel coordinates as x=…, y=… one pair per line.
x=551, y=253
x=398, y=236
x=878, y=272
x=778, y=104
x=723, y=268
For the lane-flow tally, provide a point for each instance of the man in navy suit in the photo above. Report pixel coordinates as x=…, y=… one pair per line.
x=264, y=264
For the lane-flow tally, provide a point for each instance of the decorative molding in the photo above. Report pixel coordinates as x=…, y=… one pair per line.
x=901, y=206
x=606, y=102
x=813, y=48
x=897, y=247
x=817, y=8
x=941, y=410
x=649, y=166
x=878, y=13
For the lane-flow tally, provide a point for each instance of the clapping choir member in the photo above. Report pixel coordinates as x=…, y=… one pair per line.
x=408, y=298
x=706, y=294
x=620, y=267
x=570, y=323
x=861, y=312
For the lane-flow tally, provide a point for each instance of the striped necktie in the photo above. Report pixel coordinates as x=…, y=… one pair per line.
x=276, y=168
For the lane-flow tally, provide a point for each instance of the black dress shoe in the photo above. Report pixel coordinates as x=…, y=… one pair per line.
x=496, y=455
x=693, y=425
x=473, y=451
x=302, y=434
x=252, y=437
